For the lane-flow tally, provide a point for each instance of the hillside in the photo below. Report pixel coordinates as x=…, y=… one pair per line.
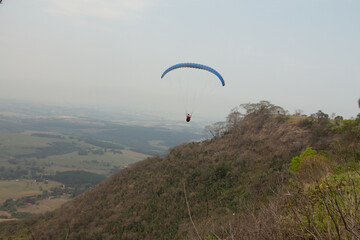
x=235, y=186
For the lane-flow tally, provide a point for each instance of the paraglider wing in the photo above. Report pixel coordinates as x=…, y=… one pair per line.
x=194, y=65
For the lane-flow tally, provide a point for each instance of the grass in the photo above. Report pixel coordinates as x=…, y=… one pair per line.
x=7, y=219
x=19, y=143
x=44, y=205
x=23, y=143
x=12, y=144
x=158, y=144
x=93, y=163
x=23, y=188
x=4, y=213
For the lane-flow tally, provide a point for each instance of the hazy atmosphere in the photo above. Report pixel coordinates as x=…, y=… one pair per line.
x=111, y=54
x=189, y=119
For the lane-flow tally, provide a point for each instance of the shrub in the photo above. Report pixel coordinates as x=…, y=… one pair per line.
x=296, y=161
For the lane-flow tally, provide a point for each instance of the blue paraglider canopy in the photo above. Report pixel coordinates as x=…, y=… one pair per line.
x=194, y=65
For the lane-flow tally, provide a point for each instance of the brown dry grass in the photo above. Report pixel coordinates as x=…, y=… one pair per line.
x=22, y=188
x=45, y=205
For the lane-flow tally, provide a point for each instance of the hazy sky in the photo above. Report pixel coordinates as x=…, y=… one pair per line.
x=299, y=54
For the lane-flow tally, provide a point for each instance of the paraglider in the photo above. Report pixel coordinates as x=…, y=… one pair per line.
x=194, y=65
x=192, y=77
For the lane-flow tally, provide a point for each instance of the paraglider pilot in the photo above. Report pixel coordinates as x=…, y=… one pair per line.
x=196, y=66
x=188, y=117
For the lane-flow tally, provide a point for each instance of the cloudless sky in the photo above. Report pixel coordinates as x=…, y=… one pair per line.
x=298, y=54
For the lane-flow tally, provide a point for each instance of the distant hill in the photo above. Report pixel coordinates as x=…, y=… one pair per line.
x=264, y=175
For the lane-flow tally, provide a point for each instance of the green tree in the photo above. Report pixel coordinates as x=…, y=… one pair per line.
x=320, y=115
x=296, y=161
x=338, y=119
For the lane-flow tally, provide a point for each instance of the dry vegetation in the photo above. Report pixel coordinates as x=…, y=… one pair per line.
x=235, y=186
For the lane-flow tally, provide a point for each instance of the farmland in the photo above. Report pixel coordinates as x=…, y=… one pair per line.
x=41, y=150
x=21, y=188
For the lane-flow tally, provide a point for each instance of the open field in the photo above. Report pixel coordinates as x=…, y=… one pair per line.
x=158, y=144
x=100, y=164
x=69, y=147
x=44, y=205
x=4, y=213
x=20, y=143
x=33, y=154
x=24, y=149
x=7, y=219
x=21, y=188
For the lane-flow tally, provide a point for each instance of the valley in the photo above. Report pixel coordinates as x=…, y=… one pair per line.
x=41, y=150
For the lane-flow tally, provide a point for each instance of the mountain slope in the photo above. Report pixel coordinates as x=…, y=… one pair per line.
x=216, y=180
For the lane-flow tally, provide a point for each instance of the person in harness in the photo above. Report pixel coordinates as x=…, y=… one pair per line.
x=188, y=117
